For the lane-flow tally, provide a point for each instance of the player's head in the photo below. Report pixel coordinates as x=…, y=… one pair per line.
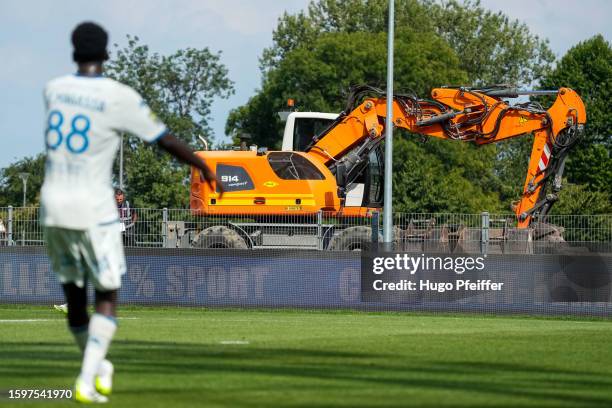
x=89, y=41
x=119, y=196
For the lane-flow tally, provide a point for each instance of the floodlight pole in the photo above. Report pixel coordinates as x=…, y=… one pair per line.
x=388, y=197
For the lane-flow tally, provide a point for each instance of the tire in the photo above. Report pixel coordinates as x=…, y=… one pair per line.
x=351, y=239
x=219, y=237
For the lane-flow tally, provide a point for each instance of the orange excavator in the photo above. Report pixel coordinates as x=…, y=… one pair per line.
x=340, y=171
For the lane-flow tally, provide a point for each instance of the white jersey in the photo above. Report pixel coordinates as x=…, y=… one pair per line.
x=83, y=117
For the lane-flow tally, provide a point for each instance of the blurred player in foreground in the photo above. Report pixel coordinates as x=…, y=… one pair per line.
x=85, y=111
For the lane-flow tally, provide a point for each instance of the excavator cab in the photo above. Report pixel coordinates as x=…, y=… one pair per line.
x=365, y=188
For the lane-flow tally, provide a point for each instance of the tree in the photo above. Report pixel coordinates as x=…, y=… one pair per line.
x=581, y=199
x=587, y=68
x=491, y=47
x=443, y=176
x=11, y=185
x=155, y=182
x=180, y=89
x=319, y=74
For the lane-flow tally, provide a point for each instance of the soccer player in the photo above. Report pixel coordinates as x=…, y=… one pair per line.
x=85, y=111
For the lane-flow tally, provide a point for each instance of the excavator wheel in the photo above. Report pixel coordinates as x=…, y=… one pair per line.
x=219, y=237
x=548, y=232
x=351, y=239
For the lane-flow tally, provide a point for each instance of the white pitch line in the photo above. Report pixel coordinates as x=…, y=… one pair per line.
x=51, y=320
x=27, y=320
x=233, y=342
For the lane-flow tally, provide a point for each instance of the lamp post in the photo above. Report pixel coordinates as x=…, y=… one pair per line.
x=24, y=177
x=388, y=204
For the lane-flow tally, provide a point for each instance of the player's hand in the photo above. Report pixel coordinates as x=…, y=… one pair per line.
x=220, y=188
x=208, y=175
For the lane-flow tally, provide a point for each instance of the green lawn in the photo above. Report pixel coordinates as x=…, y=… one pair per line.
x=176, y=358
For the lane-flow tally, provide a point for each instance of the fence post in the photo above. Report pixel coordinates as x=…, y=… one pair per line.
x=164, y=227
x=320, y=229
x=9, y=235
x=375, y=226
x=484, y=232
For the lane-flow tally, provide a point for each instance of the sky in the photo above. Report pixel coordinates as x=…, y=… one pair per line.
x=35, y=46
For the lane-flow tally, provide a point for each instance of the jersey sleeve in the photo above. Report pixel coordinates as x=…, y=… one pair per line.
x=134, y=116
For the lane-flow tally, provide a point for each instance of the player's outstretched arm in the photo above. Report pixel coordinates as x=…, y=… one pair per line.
x=184, y=154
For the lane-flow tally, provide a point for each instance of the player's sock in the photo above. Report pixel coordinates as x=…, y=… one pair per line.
x=101, y=331
x=80, y=334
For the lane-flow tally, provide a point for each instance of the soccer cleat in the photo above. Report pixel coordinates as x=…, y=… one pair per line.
x=104, y=379
x=61, y=308
x=86, y=394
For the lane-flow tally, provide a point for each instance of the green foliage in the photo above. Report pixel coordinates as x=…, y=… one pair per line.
x=443, y=176
x=511, y=165
x=587, y=68
x=491, y=47
x=333, y=16
x=581, y=199
x=154, y=182
x=11, y=185
x=180, y=89
x=318, y=75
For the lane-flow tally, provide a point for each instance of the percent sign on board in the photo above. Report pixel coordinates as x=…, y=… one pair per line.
x=145, y=286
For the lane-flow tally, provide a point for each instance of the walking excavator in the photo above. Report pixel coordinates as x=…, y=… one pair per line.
x=340, y=170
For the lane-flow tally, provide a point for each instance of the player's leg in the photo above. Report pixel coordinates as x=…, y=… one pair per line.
x=78, y=319
x=79, y=323
x=64, y=249
x=103, y=255
x=96, y=371
x=65, y=261
x=106, y=305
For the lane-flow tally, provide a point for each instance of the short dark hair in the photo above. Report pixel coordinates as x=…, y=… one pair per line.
x=118, y=191
x=89, y=41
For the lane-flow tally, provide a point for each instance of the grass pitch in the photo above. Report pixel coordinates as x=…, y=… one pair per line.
x=180, y=357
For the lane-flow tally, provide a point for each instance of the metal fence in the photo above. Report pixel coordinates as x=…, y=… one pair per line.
x=415, y=232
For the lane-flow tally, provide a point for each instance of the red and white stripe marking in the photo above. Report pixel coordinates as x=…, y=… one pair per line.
x=545, y=158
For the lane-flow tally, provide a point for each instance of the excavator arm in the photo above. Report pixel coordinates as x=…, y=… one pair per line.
x=478, y=116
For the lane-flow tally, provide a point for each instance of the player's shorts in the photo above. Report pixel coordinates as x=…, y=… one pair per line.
x=94, y=255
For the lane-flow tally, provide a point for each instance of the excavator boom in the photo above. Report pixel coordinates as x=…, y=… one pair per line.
x=462, y=114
